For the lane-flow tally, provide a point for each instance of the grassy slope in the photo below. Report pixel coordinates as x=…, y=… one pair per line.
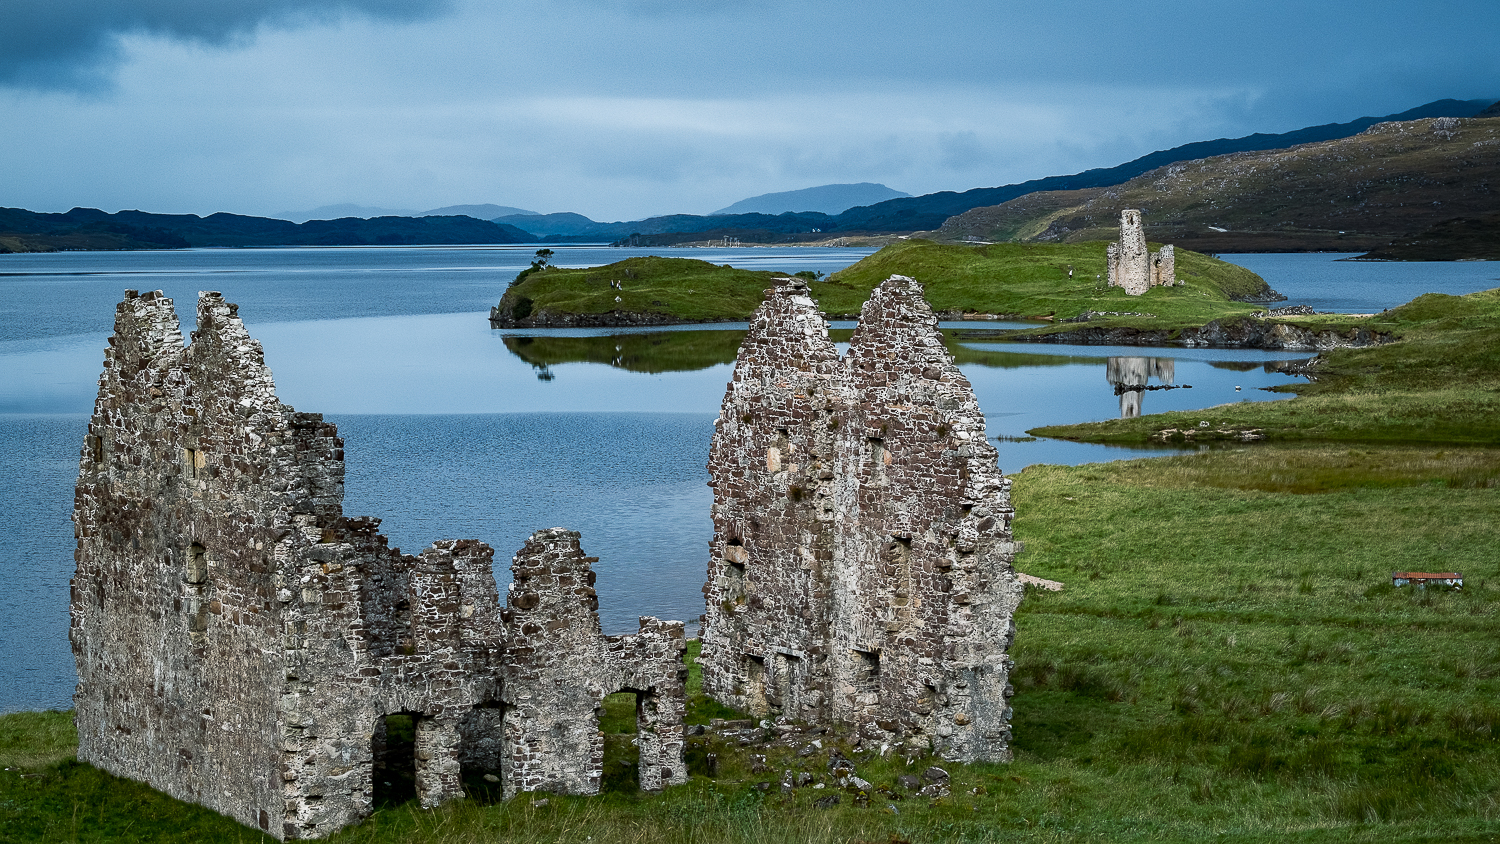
x=1349, y=195
x=1032, y=280
x=1439, y=383
x=1007, y=278
x=1227, y=661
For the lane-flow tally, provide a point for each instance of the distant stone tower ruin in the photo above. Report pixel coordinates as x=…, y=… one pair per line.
x=240, y=642
x=1132, y=265
x=861, y=568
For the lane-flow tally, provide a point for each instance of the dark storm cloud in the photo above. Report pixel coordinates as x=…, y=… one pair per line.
x=75, y=43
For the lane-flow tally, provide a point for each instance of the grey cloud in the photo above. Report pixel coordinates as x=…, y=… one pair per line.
x=75, y=43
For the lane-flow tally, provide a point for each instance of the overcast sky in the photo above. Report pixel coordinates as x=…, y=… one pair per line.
x=622, y=109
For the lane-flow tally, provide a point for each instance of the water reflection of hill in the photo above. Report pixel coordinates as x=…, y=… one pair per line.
x=687, y=351
x=666, y=351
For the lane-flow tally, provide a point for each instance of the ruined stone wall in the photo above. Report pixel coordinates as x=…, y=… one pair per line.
x=1164, y=266
x=924, y=543
x=559, y=668
x=888, y=601
x=771, y=465
x=1129, y=261
x=191, y=479
x=239, y=642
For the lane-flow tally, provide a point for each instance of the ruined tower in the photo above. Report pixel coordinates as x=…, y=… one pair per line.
x=240, y=642
x=1132, y=265
x=861, y=569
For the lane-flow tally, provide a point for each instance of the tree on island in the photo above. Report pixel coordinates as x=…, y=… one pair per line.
x=543, y=262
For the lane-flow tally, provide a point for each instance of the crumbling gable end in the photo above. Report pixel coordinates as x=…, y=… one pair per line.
x=861, y=569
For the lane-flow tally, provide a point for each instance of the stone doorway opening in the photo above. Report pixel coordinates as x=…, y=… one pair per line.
x=619, y=723
x=394, y=746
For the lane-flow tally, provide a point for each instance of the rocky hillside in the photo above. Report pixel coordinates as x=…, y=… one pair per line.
x=1392, y=181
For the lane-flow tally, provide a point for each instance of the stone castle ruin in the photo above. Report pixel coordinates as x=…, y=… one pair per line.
x=1131, y=263
x=240, y=642
x=861, y=567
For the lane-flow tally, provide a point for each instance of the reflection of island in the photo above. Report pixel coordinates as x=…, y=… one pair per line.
x=655, y=352
x=1131, y=378
x=685, y=351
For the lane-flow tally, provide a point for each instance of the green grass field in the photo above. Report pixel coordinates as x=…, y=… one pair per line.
x=1031, y=280
x=1227, y=661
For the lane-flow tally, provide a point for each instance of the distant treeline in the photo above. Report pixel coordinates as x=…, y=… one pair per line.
x=90, y=228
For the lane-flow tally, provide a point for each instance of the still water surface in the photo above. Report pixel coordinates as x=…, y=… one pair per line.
x=456, y=430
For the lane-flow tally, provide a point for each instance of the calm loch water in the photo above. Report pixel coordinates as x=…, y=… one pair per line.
x=456, y=430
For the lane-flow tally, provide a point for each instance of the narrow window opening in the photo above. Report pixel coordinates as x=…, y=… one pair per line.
x=866, y=677
x=787, y=686
x=192, y=461
x=196, y=572
x=96, y=449
x=879, y=459
x=195, y=576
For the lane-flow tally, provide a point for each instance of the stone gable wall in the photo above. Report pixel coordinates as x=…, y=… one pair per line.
x=868, y=583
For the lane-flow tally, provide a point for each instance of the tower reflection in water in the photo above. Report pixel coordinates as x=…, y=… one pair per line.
x=1131, y=378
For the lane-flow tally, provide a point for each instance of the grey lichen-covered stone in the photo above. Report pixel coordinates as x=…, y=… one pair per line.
x=240, y=642
x=560, y=667
x=861, y=571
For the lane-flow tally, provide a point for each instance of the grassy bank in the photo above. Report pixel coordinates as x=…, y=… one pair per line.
x=1439, y=382
x=1030, y=280
x=1228, y=660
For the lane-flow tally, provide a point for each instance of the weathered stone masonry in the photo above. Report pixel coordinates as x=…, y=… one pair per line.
x=239, y=641
x=861, y=568
x=1132, y=265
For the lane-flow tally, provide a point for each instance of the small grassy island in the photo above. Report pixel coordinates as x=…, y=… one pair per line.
x=1016, y=280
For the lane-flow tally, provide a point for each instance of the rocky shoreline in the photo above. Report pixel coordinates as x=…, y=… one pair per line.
x=1242, y=333
x=608, y=319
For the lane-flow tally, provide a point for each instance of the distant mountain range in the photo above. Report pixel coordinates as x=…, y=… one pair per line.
x=929, y=211
x=825, y=199
x=1051, y=197
x=349, y=209
x=90, y=228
